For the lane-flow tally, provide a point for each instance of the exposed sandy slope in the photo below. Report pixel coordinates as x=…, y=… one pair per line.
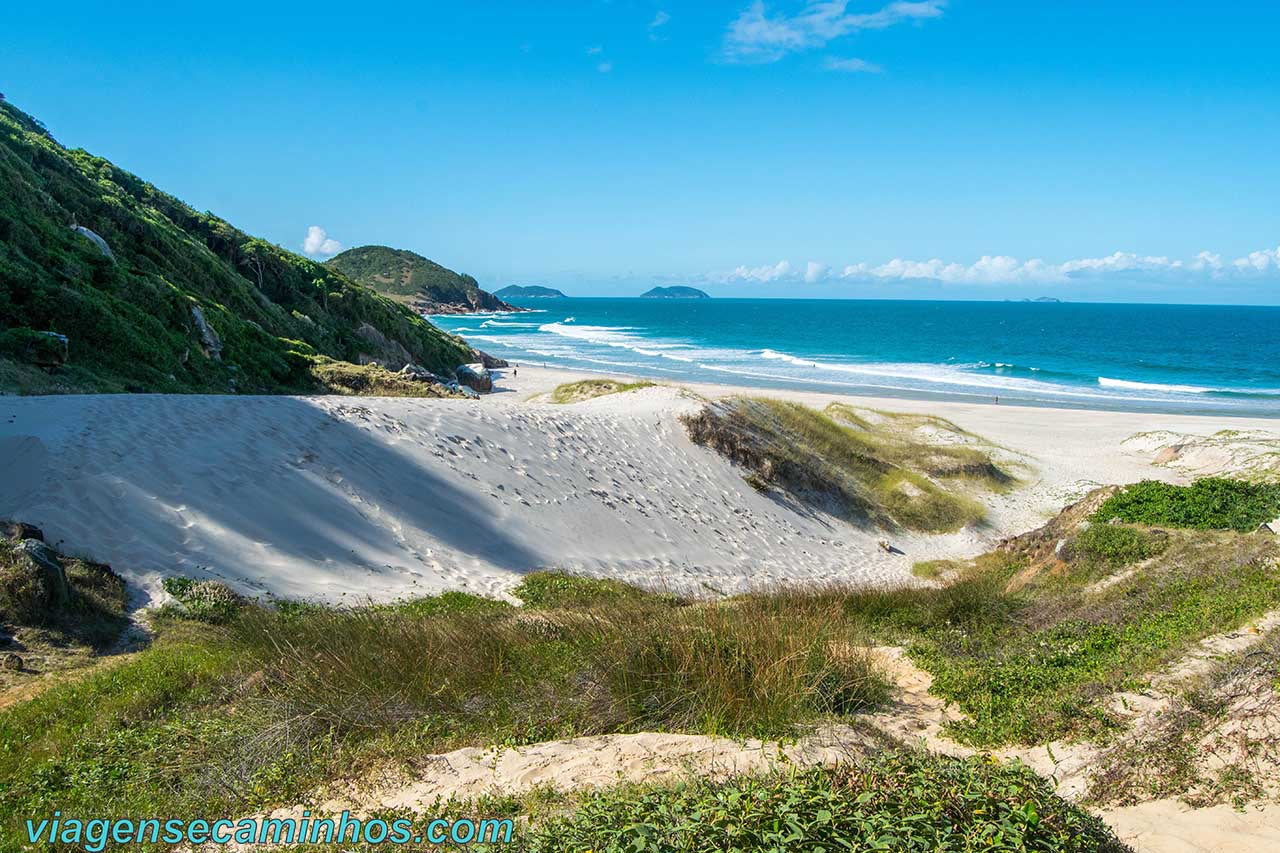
x=359, y=497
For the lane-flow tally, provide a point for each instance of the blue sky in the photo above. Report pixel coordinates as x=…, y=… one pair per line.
x=967, y=149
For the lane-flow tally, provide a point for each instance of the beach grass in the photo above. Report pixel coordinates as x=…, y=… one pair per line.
x=229, y=714
x=589, y=389
x=882, y=474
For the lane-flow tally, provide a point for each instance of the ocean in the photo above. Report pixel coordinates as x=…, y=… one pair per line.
x=1177, y=358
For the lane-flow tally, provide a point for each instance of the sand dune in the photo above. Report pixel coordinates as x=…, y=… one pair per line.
x=346, y=498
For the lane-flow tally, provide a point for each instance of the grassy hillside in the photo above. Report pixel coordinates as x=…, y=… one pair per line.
x=414, y=280
x=130, y=319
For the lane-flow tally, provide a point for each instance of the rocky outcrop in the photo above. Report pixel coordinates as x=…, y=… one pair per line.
x=389, y=353
x=475, y=376
x=489, y=361
x=209, y=339
x=16, y=531
x=95, y=239
x=33, y=583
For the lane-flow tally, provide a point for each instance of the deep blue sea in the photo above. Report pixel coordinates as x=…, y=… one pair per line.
x=1185, y=358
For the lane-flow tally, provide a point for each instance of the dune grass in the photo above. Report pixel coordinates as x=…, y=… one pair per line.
x=589, y=389
x=240, y=712
x=837, y=459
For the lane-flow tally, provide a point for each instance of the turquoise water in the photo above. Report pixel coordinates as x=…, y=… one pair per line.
x=1219, y=359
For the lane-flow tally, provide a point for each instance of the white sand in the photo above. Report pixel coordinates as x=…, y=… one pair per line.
x=346, y=498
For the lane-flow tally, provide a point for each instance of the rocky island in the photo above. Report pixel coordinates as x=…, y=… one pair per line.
x=528, y=291
x=675, y=292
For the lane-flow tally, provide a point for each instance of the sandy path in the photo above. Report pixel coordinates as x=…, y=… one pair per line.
x=347, y=498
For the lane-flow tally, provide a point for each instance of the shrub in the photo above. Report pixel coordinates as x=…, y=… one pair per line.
x=1210, y=503
x=204, y=601
x=1115, y=545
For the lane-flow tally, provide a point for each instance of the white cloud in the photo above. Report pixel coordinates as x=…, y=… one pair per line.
x=595, y=50
x=317, y=242
x=780, y=270
x=1005, y=269
x=604, y=67
x=659, y=19
x=851, y=65
x=757, y=36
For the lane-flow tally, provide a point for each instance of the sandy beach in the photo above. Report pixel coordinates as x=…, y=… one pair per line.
x=342, y=499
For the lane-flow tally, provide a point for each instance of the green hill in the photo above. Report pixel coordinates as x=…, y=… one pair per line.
x=414, y=280
x=151, y=295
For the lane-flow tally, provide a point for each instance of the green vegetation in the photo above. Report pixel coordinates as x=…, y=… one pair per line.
x=879, y=473
x=408, y=277
x=1031, y=665
x=1115, y=545
x=932, y=570
x=371, y=380
x=61, y=611
x=204, y=601
x=236, y=706
x=130, y=320
x=895, y=801
x=1210, y=503
x=530, y=291
x=587, y=389
x=1216, y=742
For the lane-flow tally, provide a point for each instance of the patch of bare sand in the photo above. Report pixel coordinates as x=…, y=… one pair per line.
x=1168, y=826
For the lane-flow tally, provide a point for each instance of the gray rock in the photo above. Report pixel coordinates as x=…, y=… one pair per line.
x=474, y=376
x=34, y=585
x=489, y=361
x=208, y=337
x=417, y=373
x=95, y=240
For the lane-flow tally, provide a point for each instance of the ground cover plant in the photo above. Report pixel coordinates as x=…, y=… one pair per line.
x=895, y=801
x=1210, y=503
x=878, y=472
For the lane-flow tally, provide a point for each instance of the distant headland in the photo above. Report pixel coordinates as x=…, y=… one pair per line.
x=675, y=292
x=529, y=291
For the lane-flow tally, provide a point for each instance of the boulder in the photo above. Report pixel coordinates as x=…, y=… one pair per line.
x=475, y=376
x=33, y=583
x=417, y=373
x=95, y=239
x=11, y=662
x=19, y=530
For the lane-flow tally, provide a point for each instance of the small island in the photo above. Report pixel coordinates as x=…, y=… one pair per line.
x=675, y=292
x=529, y=291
